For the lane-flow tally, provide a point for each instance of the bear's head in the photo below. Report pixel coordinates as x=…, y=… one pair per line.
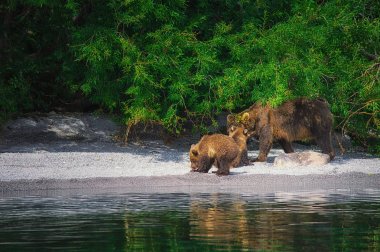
x=247, y=119
x=241, y=120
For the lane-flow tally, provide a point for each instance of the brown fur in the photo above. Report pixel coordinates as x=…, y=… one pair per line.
x=294, y=120
x=240, y=136
x=220, y=150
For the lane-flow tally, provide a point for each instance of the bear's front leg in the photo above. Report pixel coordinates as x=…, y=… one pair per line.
x=266, y=140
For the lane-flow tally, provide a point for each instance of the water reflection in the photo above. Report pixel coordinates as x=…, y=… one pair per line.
x=320, y=221
x=272, y=223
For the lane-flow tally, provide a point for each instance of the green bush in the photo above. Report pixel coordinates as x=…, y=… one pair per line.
x=33, y=47
x=171, y=62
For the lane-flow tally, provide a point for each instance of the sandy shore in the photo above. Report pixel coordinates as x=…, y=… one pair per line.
x=139, y=168
x=194, y=183
x=135, y=161
x=37, y=162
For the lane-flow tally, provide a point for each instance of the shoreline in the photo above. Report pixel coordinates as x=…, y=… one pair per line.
x=192, y=183
x=77, y=153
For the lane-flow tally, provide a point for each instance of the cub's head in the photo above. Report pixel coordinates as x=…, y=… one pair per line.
x=194, y=157
x=240, y=132
x=200, y=162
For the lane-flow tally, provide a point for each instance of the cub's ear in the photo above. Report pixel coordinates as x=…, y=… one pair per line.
x=245, y=131
x=230, y=118
x=194, y=152
x=245, y=117
x=232, y=128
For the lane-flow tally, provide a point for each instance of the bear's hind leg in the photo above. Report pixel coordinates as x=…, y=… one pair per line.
x=325, y=143
x=224, y=167
x=286, y=145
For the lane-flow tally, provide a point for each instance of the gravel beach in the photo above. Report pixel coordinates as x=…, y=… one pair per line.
x=77, y=152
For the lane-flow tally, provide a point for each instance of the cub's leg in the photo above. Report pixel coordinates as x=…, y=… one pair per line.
x=224, y=167
x=244, y=160
x=286, y=145
x=205, y=163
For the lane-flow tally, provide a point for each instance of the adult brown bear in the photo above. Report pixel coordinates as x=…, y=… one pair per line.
x=298, y=119
x=220, y=150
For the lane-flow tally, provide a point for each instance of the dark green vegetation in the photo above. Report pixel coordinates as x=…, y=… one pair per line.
x=174, y=62
x=195, y=222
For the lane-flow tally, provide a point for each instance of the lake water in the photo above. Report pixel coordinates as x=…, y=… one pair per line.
x=310, y=221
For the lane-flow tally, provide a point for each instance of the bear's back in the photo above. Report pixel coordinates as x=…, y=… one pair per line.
x=298, y=119
x=218, y=145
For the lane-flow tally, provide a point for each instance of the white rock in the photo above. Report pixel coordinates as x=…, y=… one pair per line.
x=301, y=159
x=52, y=127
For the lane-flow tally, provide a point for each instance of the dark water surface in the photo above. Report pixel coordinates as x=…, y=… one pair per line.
x=310, y=221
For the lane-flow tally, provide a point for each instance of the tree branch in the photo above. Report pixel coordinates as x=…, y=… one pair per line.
x=370, y=56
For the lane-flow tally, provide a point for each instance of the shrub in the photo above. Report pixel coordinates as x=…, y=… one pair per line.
x=173, y=62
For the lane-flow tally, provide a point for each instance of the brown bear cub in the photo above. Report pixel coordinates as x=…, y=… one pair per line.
x=294, y=120
x=220, y=150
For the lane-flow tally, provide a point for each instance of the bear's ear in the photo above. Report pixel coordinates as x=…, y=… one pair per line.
x=230, y=118
x=245, y=117
x=256, y=105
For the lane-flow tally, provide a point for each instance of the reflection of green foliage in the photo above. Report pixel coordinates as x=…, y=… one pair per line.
x=375, y=245
x=266, y=226
x=172, y=61
x=346, y=228
x=193, y=222
x=167, y=231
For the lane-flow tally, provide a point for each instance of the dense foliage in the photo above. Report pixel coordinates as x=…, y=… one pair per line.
x=172, y=62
